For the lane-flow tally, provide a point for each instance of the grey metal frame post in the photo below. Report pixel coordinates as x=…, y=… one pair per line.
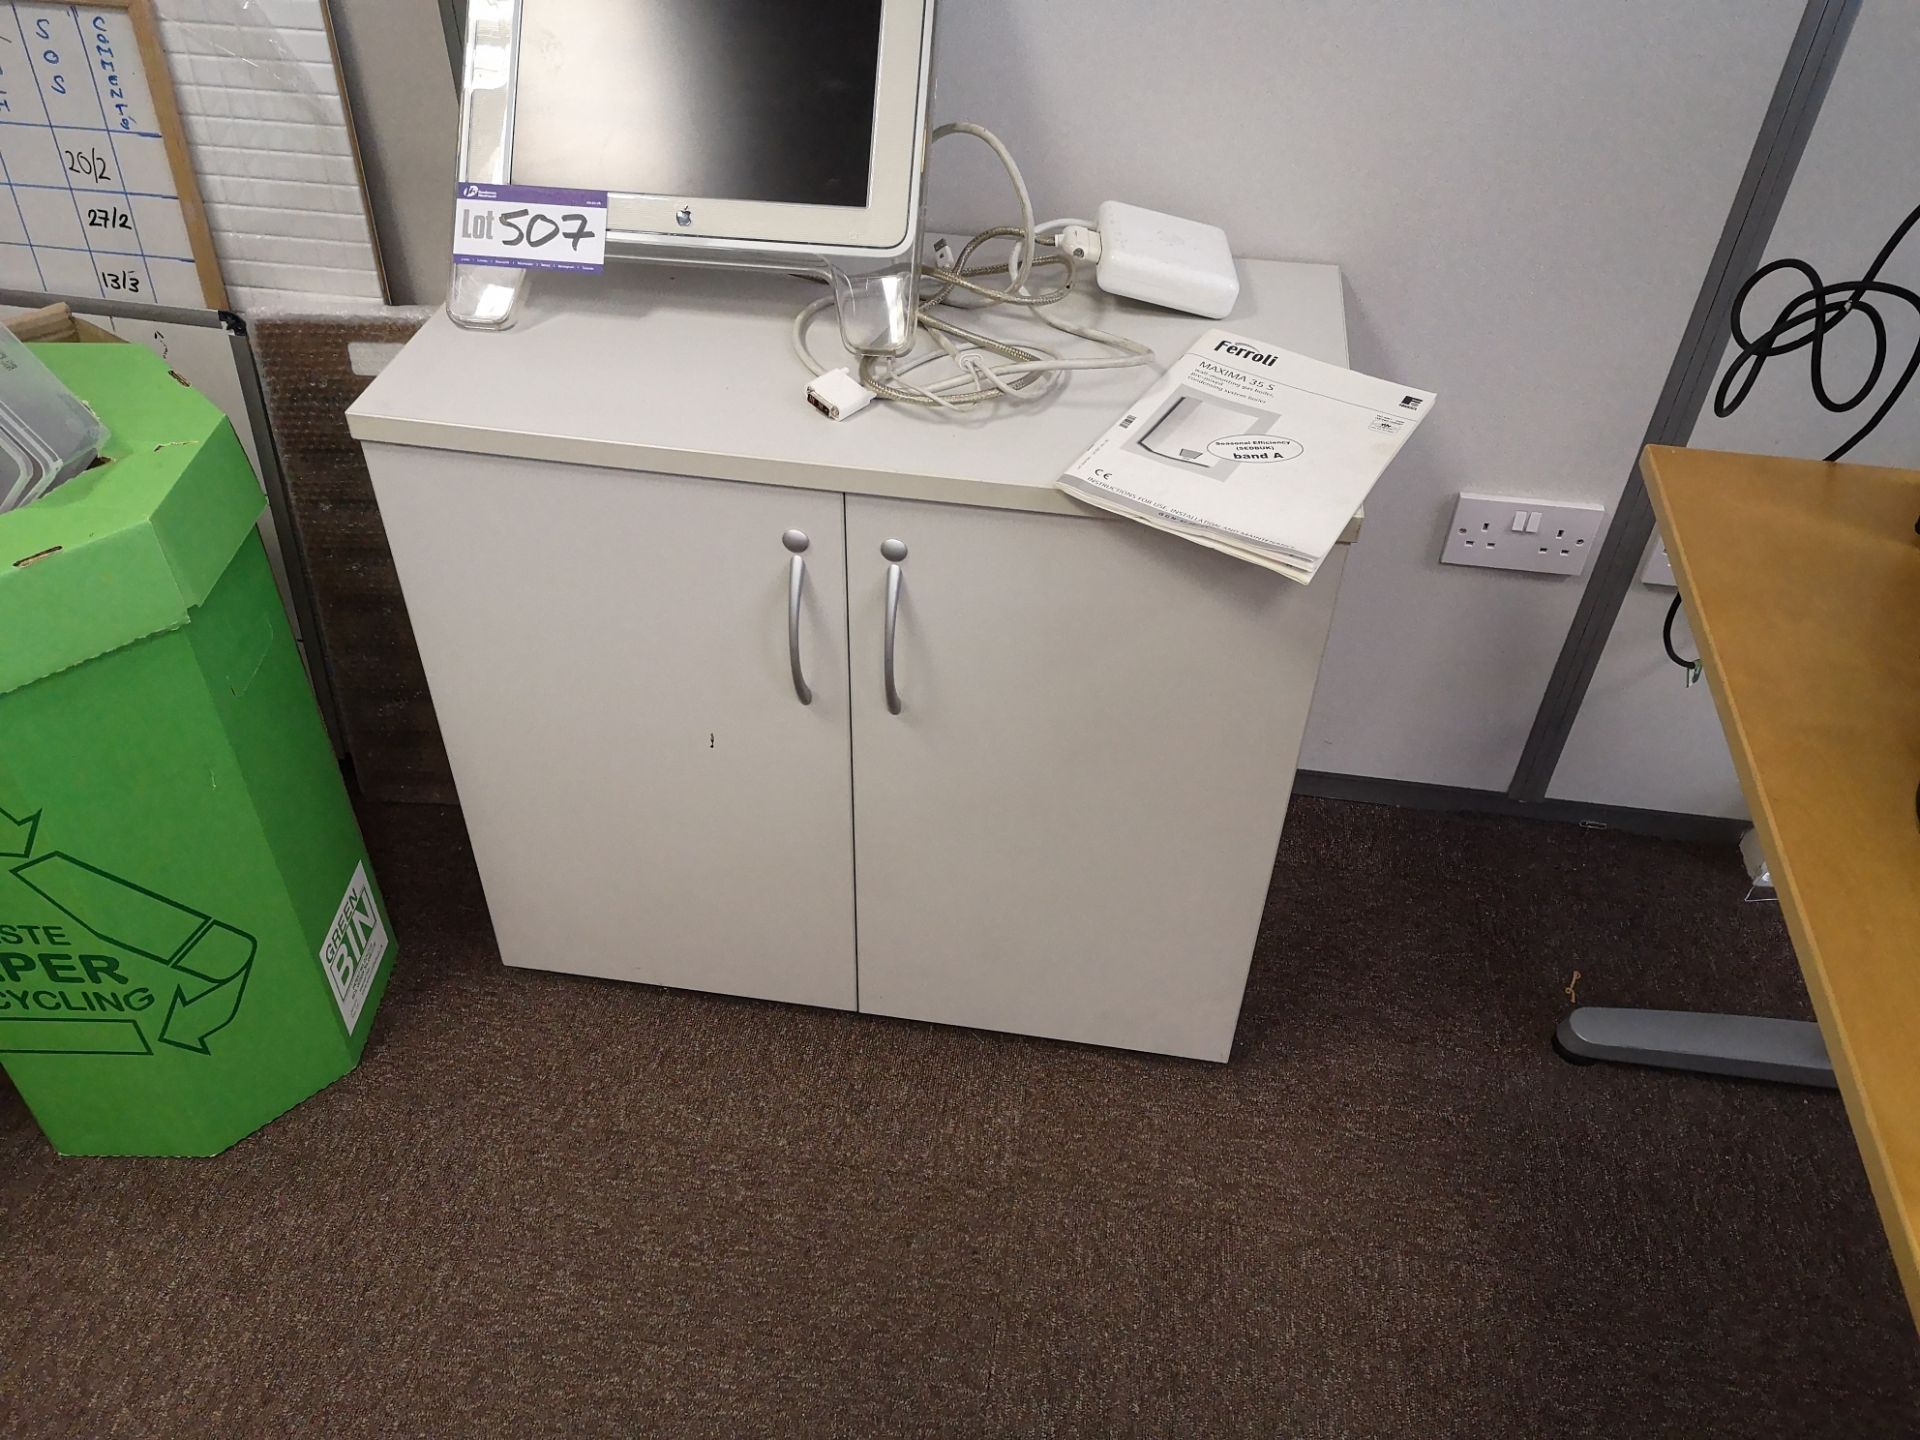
x=293, y=549
x=1746, y=1046
x=453, y=19
x=1811, y=61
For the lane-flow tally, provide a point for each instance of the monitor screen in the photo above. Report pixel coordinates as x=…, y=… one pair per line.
x=766, y=100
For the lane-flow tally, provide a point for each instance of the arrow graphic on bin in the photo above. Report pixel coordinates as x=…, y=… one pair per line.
x=210, y=960
x=16, y=836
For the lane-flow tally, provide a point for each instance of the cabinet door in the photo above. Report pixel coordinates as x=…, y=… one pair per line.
x=1069, y=828
x=608, y=653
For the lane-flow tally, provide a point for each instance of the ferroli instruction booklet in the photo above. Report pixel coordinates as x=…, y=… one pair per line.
x=1252, y=450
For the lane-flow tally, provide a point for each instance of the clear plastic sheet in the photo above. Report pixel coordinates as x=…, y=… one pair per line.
x=47, y=434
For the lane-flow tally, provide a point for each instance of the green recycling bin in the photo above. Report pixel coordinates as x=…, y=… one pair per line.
x=191, y=940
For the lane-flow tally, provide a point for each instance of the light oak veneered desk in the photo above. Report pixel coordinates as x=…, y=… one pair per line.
x=1802, y=583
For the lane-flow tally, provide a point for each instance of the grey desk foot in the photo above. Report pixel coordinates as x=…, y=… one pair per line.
x=1746, y=1045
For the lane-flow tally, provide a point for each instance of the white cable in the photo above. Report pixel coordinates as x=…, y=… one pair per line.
x=1054, y=227
x=981, y=368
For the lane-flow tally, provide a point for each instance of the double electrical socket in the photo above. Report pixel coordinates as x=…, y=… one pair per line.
x=1505, y=533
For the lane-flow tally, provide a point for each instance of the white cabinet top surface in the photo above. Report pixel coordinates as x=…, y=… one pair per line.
x=689, y=372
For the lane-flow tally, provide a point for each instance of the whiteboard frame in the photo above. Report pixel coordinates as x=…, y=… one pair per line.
x=153, y=62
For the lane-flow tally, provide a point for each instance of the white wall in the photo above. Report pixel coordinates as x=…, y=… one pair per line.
x=1524, y=197
x=1642, y=738
x=405, y=114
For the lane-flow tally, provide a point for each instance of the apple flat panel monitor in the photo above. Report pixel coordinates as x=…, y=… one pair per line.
x=732, y=131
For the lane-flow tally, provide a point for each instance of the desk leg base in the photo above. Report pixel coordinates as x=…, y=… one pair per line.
x=1750, y=1046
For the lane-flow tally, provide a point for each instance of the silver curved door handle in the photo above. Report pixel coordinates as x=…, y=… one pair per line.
x=893, y=551
x=797, y=542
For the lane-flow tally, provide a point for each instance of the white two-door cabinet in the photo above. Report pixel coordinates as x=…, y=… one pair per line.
x=864, y=714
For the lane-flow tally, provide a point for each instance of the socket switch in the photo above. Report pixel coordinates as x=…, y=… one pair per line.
x=1504, y=533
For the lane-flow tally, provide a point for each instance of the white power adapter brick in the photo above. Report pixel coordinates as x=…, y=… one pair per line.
x=1161, y=259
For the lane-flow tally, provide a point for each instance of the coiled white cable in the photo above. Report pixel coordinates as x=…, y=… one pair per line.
x=984, y=368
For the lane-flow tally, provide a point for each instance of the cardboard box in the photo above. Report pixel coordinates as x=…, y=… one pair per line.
x=58, y=322
x=191, y=941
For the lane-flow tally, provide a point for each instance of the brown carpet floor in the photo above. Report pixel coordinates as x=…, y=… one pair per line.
x=547, y=1206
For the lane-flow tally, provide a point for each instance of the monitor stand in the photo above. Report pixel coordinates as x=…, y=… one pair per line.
x=875, y=299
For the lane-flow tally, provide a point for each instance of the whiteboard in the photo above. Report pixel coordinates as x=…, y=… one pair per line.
x=95, y=203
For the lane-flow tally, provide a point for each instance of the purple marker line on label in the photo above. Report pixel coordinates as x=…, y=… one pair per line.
x=532, y=194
